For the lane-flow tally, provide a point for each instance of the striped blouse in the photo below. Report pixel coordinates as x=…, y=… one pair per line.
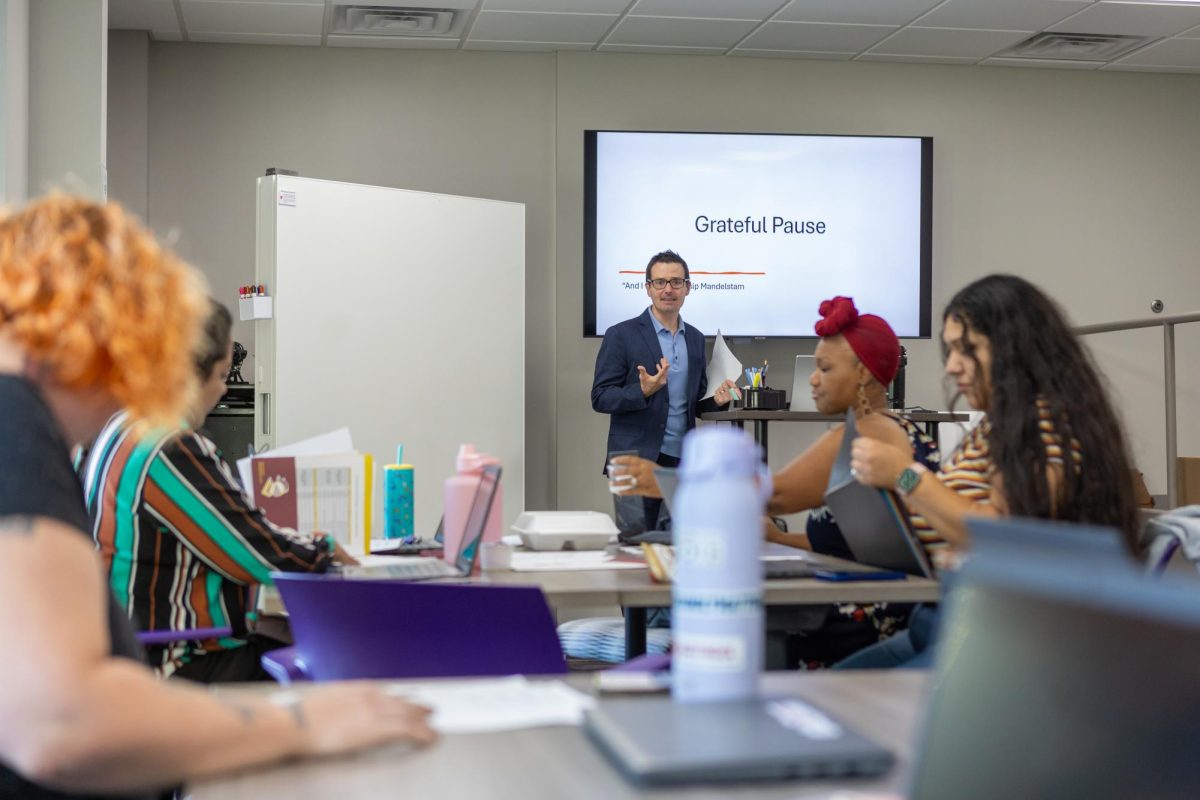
x=183, y=546
x=969, y=472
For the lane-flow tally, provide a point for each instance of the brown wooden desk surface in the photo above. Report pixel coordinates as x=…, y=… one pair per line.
x=559, y=762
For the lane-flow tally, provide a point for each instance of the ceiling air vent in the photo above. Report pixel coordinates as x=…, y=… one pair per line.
x=1075, y=46
x=395, y=21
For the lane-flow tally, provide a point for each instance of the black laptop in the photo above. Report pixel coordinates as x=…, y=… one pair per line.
x=874, y=522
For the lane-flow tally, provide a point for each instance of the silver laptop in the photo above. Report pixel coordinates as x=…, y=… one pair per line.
x=1063, y=672
x=874, y=522
x=657, y=741
x=801, y=389
x=426, y=568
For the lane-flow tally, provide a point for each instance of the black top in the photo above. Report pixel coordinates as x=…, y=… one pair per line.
x=36, y=479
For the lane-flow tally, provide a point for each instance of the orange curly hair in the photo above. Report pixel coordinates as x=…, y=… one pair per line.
x=90, y=296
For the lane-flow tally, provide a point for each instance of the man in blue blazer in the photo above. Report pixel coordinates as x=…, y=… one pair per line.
x=650, y=373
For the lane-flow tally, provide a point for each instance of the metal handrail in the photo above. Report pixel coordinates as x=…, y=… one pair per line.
x=1168, y=324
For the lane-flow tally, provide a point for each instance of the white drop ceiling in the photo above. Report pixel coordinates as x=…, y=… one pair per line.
x=932, y=31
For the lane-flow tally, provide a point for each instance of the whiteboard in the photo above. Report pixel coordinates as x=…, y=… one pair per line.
x=401, y=315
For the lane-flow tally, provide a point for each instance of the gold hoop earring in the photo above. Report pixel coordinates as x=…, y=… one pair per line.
x=864, y=404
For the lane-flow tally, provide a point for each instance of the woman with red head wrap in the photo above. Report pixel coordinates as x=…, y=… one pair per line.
x=857, y=357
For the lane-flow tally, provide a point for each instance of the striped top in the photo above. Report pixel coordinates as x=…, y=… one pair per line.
x=183, y=546
x=969, y=472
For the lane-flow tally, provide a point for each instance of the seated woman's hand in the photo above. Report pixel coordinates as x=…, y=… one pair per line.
x=877, y=463
x=632, y=475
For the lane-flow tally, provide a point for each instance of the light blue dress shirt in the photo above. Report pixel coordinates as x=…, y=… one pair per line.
x=675, y=351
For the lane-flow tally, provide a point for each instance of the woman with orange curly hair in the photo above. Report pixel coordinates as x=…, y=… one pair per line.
x=94, y=315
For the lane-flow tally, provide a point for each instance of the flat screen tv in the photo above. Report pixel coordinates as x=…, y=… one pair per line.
x=769, y=224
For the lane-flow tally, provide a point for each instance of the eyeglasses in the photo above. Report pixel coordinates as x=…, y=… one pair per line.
x=661, y=283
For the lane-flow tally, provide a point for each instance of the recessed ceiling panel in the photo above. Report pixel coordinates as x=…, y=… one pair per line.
x=256, y=38
x=417, y=42
x=517, y=26
x=252, y=17
x=558, y=6
x=947, y=42
x=652, y=48
x=1001, y=15
x=712, y=9
x=1134, y=19
x=723, y=33
x=1171, y=53
x=861, y=12
x=816, y=37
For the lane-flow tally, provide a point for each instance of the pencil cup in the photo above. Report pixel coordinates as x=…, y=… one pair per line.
x=399, y=501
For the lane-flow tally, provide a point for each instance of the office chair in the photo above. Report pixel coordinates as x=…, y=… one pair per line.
x=346, y=629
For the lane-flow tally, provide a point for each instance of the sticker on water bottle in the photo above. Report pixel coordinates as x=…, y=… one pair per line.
x=701, y=548
x=708, y=653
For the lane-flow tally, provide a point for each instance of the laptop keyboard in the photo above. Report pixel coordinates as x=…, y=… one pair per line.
x=424, y=568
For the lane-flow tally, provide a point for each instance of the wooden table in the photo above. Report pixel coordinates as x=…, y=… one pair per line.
x=636, y=592
x=759, y=419
x=560, y=762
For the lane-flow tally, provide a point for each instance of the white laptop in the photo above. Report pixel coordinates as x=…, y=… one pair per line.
x=801, y=396
x=411, y=568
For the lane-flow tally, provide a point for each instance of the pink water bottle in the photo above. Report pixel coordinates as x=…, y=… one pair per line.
x=458, y=495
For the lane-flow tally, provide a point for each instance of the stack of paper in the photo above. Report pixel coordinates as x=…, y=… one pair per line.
x=500, y=704
x=319, y=485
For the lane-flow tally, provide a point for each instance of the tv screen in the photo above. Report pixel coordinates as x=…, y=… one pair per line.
x=769, y=224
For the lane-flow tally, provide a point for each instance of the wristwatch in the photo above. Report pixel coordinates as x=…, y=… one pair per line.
x=910, y=477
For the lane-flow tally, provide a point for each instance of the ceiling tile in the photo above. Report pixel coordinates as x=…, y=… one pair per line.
x=653, y=48
x=1171, y=53
x=413, y=42
x=255, y=38
x=712, y=9
x=817, y=37
x=526, y=47
x=1134, y=19
x=574, y=6
x=1193, y=33
x=672, y=32
x=264, y=2
x=1044, y=63
x=791, y=54
x=166, y=36
x=950, y=42
x=915, y=59
x=517, y=26
x=252, y=17
x=1009, y=15
x=1140, y=68
x=861, y=12
x=142, y=15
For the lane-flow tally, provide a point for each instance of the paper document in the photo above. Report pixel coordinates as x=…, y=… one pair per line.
x=338, y=441
x=567, y=561
x=500, y=704
x=724, y=366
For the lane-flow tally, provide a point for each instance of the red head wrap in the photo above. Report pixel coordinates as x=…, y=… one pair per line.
x=869, y=336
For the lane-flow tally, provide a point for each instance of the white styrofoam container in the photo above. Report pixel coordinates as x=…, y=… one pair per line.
x=565, y=530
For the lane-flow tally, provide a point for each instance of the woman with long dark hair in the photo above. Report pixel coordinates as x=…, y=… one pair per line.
x=1049, y=446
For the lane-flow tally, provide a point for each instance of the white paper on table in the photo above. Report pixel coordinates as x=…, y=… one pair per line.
x=723, y=366
x=560, y=561
x=497, y=704
x=338, y=441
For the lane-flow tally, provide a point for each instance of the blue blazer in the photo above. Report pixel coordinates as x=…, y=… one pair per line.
x=638, y=422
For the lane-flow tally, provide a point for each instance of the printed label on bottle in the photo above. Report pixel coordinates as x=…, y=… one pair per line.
x=709, y=653
x=718, y=602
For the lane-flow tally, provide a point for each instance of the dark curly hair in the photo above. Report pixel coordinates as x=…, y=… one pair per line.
x=1037, y=359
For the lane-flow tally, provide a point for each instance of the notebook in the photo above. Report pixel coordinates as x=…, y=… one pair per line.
x=1063, y=672
x=656, y=741
x=802, y=399
x=873, y=521
x=419, y=568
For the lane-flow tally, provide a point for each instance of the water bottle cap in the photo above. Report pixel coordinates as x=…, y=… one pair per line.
x=469, y=460
x=719, y=450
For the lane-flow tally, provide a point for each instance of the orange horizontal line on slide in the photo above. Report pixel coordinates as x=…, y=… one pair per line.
x=694, y=272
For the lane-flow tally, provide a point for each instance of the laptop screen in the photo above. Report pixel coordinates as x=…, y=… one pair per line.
x=1050, y=687
x=477, y=519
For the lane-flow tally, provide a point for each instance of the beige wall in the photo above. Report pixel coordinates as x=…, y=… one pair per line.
x=1085, y=182
x=128, y=107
